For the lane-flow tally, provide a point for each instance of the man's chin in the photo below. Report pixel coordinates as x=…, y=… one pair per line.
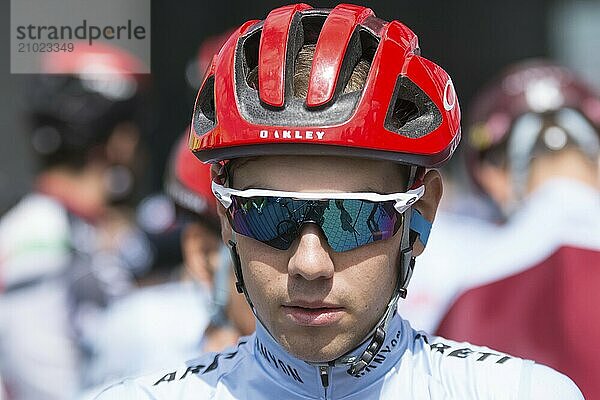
x=317, y=347
x=316, y=355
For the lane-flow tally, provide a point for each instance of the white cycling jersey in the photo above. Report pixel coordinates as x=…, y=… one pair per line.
x=410, y=365
x=153, y=327
x=54, y=278
x=37, y=348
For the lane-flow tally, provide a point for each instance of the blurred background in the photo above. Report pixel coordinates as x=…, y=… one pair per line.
x=472, y=40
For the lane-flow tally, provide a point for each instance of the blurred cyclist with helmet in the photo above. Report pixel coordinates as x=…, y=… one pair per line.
x=174, y=317
x=534, y=147
x=321, y=125
x=193, y=305
x=83, y=122
x=189, y=185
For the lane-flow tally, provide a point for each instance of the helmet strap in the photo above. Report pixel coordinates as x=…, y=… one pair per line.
x=405, y=268
x=237, y=270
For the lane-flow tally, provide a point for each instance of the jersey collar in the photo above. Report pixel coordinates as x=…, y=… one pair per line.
x=303, y=378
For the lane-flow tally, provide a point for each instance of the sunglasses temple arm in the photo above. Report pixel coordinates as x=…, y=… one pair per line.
x=403, y=203
x=222, y=194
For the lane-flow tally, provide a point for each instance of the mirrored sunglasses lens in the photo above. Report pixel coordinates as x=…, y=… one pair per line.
x=347, y=224
x=354, y=223
x=266, y=219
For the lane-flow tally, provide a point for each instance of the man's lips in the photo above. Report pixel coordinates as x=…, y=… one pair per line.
x=313, y=313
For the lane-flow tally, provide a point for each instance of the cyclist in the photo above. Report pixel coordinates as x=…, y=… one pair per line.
x=321, y=124
x=186, y=318
x=50, y=241
x=188, y=183
x=534, y=146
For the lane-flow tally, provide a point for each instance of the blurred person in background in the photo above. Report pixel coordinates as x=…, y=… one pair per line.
x=533, y=147
x=183, y=310
x=189, y=185
x=130, y=337
x=123, y=333
x=58, y=263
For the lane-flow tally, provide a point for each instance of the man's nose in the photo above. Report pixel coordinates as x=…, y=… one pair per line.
x=311, y=259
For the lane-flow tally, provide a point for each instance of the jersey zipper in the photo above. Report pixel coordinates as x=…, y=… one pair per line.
x=324, y=373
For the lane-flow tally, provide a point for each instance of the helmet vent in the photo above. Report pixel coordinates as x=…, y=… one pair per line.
x=303, y=35
x=250, y=62
x=411, y=113
x=403, y=112
x=355, y=67
x=304, y=32
x=205, y=116
x=311, y=27
x=360, y=71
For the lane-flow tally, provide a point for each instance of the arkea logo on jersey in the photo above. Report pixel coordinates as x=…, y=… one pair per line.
x=463, y=352
x=291, y=134
x=199, y=368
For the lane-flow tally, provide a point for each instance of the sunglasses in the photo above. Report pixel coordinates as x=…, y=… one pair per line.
x=348, y=220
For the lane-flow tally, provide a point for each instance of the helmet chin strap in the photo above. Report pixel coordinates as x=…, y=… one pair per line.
x=378, y=333
x=412, y=221
x=237, y=269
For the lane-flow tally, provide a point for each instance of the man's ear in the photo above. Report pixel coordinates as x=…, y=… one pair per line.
x=221, y=212
x=428, y=204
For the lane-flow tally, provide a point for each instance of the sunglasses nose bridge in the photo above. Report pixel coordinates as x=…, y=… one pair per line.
x=311, y=258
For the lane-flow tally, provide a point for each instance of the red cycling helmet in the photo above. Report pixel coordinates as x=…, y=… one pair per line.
x=188, y=181
x=406, y=112
x=551, y=96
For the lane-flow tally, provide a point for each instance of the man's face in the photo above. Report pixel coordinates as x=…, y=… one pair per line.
x=317, y=303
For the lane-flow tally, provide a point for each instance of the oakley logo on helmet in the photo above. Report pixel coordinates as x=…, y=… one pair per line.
x=289, y=134
x=449, y=96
